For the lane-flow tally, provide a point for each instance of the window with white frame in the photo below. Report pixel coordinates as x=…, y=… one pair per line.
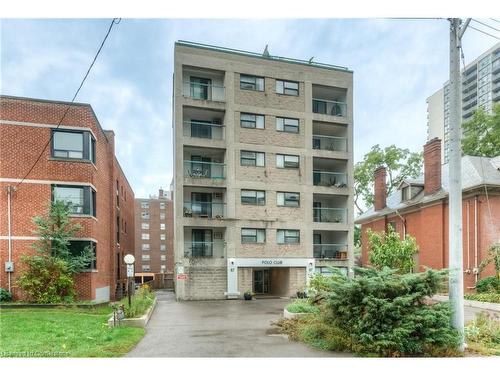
x=287, y=199
x=288, y=236
x=287, y=87
x=145, y=236
x=287, y=161
x=252, y=121
x=145, y=246
x=252, y=159
x=248, y=82
x=163, y=257
x=256, y=197
x=146, y=267
x=163, y=247
x=162, y=215
x=288, y=125
x=163, y=268
x=144, y=205
x=162, y=226
x=145, y=215
x=144, y=225
x=253, y=235
x=163, y=237
x=162, y=205
x=146, y=257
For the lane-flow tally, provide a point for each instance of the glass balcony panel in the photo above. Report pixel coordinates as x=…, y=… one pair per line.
x=330, y=179
x=202, y=169
x=204, y=209
x=330, y=143
x=203, y=129
x=330, y=251
x=330, y=215
x=204, y=249
x=329, y=107
x=204, y=91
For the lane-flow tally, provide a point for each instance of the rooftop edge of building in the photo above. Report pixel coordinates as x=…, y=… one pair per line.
x=289, y=60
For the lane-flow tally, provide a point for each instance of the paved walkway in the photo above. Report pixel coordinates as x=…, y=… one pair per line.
x=219, y=329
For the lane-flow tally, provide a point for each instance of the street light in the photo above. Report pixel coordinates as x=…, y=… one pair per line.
x=129, y=260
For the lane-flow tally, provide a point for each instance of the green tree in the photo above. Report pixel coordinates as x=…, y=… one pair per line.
x=481, y=135
x=493, y=257
x=48, y=275
x=400, y=164
x=387, y=249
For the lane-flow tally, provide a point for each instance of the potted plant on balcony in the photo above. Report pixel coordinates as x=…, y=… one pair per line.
x=343, y=255
x=248, y=295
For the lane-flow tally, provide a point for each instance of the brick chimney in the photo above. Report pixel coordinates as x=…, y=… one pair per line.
x=432, y=166
x=380, y=188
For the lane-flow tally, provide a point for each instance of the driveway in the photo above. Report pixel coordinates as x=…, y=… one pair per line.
x=232, y=328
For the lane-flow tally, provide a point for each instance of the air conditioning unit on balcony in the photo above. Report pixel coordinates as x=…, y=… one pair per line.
x=217, y=235
x=217, y=195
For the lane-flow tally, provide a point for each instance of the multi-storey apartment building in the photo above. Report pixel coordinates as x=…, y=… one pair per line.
x=480, y=89
x=154, y=233
x=77, y=165
x=262, y=179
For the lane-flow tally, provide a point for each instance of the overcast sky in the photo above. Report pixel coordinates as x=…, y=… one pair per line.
x=397, y=64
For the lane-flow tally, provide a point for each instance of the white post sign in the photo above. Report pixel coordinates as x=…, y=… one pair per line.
x=130, y=270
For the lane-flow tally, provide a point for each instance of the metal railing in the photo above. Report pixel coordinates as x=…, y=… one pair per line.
x=208, y=210
x=329, y=107
x=330, y=179
x=203, y=91
x=330, y=251
x=203, y=249
x=330, y=215
x=203, y=169
x=197, y=129
x=330, y=143
x=495, y=66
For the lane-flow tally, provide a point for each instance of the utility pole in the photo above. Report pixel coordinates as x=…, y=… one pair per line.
x=455, y=253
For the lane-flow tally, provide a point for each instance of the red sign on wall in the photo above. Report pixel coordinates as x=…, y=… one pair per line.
x=182, y=276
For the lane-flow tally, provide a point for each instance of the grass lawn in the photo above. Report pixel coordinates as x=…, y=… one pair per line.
x=63, y=332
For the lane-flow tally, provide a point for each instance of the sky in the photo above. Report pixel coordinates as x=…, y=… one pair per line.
x=397, y=64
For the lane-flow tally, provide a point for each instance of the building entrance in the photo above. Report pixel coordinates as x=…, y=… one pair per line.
x=261, y=281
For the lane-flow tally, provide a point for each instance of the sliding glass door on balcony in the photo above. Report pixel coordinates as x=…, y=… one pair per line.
x=201, y=204
x=200, y=88
x=201, y=243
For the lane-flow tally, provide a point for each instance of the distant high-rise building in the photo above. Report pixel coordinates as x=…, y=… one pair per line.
x=480, y=89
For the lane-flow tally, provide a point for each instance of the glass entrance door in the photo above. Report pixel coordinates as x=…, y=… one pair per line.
x=261, y=281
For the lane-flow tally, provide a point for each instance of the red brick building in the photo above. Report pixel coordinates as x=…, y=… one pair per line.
x=419, y=208
x=78, y=166
x=154, y=233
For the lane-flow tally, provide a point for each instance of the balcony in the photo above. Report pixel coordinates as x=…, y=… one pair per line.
x=469, y=103
x=204, y=170
x=209, y=210
x=203, y=129
x=330, y=179
x=329, y=215
x=468, y=87
x=204, y=249
x=329, y=107
x=329, y=143
x=495, y=66
x=204, y=91
x=330, y=251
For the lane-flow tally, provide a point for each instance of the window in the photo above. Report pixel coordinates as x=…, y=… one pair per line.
x=253, y=235
x=163, y=257
x=163, y=237
x=162, y=205
x=145, y=205
x=76, y=247
x=162, y=226
x=405, y=192
x=80, y=199
x=163, y=247
x=145, y=215
x=163, y=268
x=254, y=159
x=145, y=257
x=287, y=199
x=145, y=246
x=145, y=226
x=287, y=161
x=286, y=236
x=253, y=121
x=287, y=87
x=162, y=216
x=145, y=236
x=73, y=145
x=251, y=83
x=146, y=267
x=257, y=197
x=289, y=125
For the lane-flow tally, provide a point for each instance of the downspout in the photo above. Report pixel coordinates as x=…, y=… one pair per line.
x=467, y=271
x=476, y=270
x=9, y=233
x=404, y=223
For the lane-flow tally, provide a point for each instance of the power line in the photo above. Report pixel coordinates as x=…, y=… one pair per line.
x=484, y=32
x=485, y=24
x=115, y=21
x=495, y=20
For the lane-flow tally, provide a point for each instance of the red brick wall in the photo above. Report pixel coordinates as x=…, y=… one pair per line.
x=432, y=166
x=429, y=226
x=19, y=147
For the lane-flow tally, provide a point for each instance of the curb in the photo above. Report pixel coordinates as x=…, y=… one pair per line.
x=289, y=315
x=470, y=303
x=134, y=322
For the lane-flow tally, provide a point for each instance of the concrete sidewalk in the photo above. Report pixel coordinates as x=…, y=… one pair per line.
x=219, y=329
